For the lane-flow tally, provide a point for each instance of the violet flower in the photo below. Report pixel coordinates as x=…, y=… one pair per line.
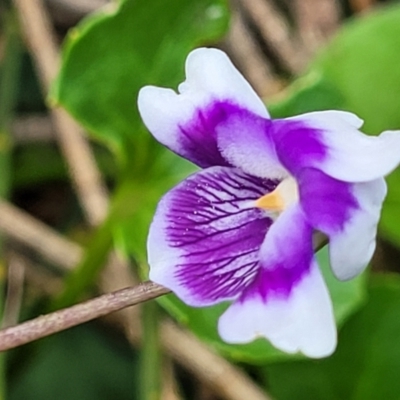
x=241, y=229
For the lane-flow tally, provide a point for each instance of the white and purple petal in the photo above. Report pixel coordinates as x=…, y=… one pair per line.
x=205, y=238
x=347, y=213
x=352, y=249
x=331, y=141
x=185, y=122
x=288, y=302
x=244, y=140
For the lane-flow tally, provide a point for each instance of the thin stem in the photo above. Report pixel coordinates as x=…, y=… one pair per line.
x=150, y=382
x=68, y=317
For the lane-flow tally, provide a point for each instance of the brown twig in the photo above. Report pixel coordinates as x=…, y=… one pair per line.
x=63, y=319
x=249, y=57
x=25, y=229
x=33, y=128
x=41, y=41
x=317, y=20
x=275, y=31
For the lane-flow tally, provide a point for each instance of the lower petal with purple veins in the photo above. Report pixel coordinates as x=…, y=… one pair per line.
x=206, y=235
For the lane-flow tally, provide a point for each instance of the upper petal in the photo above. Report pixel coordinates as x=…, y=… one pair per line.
x=347, y=213
x=331, y=141
x=245, y=141
x=288, y=302
x=205, y=237
x=185, y=122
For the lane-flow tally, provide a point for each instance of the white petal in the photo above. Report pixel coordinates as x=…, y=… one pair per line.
x=211, y=71
x=352, y=155
x=174, y=117
x=304, y=322
x=352, y=248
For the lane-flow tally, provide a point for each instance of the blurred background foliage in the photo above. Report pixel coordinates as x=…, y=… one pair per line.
x=300, y=56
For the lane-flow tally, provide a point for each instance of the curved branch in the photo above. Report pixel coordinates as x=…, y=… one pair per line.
x=57, y=321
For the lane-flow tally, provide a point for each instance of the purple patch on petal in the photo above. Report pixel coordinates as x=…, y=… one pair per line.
x=198, y=136
x=286, y=256
x=210, y=219
x=297, y=144
x=327, y=202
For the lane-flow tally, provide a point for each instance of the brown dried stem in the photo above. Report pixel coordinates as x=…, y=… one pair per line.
x=249, y=57
x=25, y=229
x=63, y=319
x=317, y=20
x=275, y=31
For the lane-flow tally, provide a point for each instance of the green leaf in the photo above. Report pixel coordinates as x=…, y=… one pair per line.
x=366, y=363
x=110, y=56
x=346, y=296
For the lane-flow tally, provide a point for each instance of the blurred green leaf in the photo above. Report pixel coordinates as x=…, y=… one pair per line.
x=367, y=362
x=347, y=297
x=81, y=364
x=362, y=63
x=110, y=56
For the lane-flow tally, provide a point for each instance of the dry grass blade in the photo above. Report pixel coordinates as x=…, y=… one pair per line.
x=250, y=59
x=317, y=20
x=27, y=230
x=275, y=31
x=15, y=290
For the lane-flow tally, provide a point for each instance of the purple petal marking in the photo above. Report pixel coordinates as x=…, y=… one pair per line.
x=285, y=256
x=245, y=141
x=198, y=137
x=206, y=235
x=328, y=203
x=297, y=144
